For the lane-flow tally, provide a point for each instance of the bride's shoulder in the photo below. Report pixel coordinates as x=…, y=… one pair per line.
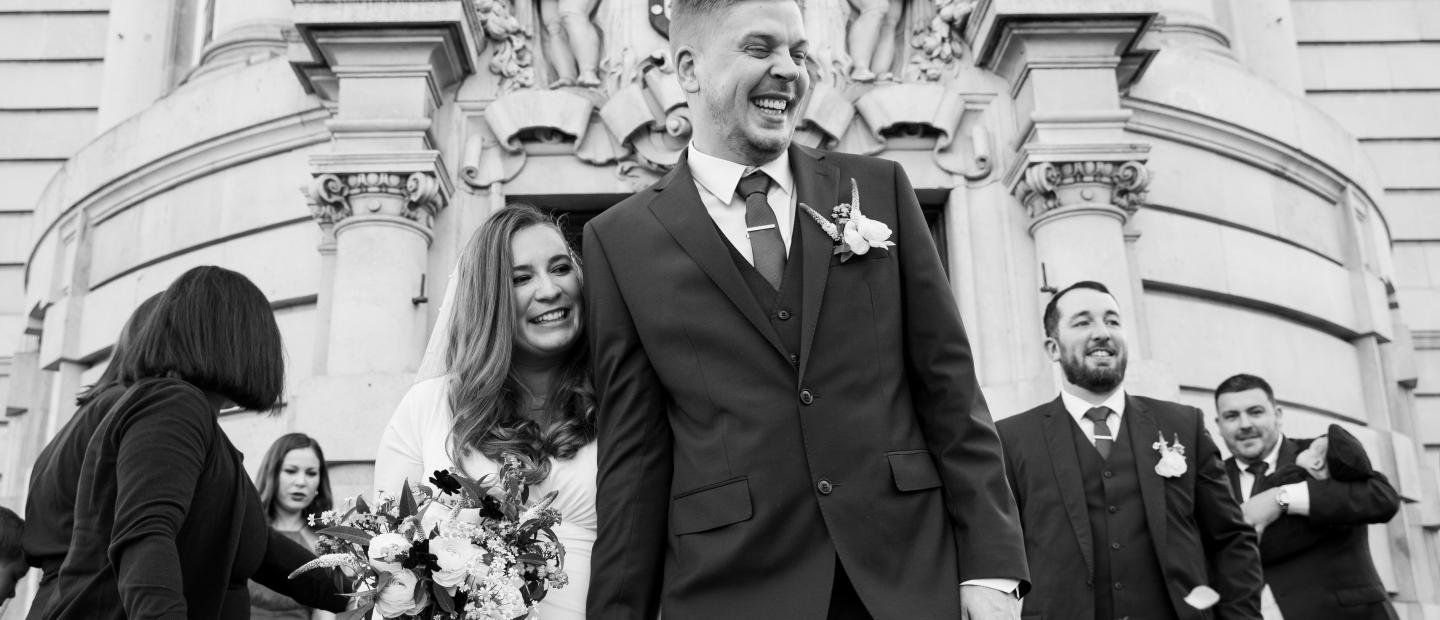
x=425, y=397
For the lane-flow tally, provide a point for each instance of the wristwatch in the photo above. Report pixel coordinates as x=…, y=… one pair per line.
x=1282, y=499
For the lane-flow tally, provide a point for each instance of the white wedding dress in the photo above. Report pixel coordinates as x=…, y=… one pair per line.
x=415, y=445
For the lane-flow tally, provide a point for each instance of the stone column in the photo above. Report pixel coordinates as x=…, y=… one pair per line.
x=383, y=67
x=1078, y=173
x=137, y=59
x=245, y=31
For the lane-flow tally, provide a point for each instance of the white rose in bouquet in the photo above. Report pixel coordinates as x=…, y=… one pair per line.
x=454, y=556
x=398, y=598
x=385, y=551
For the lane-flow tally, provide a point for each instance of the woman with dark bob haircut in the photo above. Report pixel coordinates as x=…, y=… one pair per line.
x=167, y=523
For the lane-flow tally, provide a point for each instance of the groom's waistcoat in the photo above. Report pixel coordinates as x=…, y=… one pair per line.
x=781, y=307
x=1127, y=580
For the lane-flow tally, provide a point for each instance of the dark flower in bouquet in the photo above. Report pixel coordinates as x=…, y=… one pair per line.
x=474, y=550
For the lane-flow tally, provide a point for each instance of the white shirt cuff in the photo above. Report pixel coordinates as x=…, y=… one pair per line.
x=1299, y=496
x=1008, y=586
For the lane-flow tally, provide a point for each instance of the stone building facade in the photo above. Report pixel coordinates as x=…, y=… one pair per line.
x=1258, y=180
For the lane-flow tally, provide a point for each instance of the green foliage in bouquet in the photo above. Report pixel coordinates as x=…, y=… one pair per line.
x=462, y=549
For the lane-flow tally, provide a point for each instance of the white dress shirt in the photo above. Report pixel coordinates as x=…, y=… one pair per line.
x=716, y=180
x=1298, y=494
x=1076, y=407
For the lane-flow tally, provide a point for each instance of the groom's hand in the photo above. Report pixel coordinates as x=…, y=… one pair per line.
x=982, y=603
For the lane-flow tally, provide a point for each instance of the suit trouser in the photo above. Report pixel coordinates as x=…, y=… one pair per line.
x=845, y=603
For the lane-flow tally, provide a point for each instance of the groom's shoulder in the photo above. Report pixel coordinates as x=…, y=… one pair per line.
x=624, y=213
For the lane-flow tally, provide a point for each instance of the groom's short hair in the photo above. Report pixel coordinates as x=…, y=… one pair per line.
x=689, y=15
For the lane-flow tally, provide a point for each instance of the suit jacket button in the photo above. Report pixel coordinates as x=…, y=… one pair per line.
x=1109, y=474
x=783, y=314
x=806, y=397
x=794, y=360
x=824, y=487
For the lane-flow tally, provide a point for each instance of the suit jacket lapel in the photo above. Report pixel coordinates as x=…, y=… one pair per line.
x=680, y=211
x=1143, y=432
x=1066, y=464
x=1289, y=449
x=816, y=185
x=1232, y=472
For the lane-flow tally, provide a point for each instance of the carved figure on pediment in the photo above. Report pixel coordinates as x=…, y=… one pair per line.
x=872, y=38
x=936, y=37
x=572, y=42
x=511, y=58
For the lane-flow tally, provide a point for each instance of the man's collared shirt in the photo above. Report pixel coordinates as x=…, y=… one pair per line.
x=1076, y=407
x=1298, y=494
x=716, y=180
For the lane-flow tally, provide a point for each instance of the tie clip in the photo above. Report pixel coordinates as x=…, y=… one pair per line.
x=755, y=228
x=1105, y=437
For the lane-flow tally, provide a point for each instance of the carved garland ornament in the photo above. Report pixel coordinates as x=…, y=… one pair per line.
x=512, y=59
x=1043, y=187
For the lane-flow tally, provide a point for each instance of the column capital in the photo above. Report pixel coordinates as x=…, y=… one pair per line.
x=397, y=188
x=1050, y=190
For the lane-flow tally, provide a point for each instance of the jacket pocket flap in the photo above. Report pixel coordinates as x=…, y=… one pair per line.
x=913, y=470
x=1362, y=595
x=710, y=507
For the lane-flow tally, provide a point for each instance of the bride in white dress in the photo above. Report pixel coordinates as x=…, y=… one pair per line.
x=506, y=372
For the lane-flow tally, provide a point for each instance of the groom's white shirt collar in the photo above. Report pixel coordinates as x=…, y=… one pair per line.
x=1076, y=407
x=716, y=180
x=721, y=176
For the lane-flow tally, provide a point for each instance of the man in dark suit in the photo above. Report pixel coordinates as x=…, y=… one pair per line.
x=790, y=425
x=1314, y=545
x=1122, y=498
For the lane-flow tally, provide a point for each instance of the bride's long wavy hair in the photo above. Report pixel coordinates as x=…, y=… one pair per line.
x=487, y=399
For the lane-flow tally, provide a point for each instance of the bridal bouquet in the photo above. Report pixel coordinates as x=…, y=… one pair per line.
x=461, y=549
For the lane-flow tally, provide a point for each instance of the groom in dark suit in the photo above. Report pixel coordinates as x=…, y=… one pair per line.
x=790, y=425
x=1315, y=547
x=1122, y=498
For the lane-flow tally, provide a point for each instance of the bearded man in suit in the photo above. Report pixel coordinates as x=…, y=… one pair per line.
x=1314, y=545
x=1122, y=498
x=790, y=425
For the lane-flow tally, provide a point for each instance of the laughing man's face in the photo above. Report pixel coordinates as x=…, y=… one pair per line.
x=746, y=78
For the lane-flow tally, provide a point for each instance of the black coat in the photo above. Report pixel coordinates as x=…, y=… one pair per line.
x=1319, y=566
x=1199, y=534
x=166, y=522
x=730, y=476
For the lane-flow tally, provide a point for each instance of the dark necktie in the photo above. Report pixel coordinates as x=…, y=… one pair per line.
x=1104, y=440
x=1258, y=471
x=766, y=246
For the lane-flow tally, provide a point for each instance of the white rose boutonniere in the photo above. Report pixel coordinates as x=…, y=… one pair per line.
x=853, y=233
x=1172, y=457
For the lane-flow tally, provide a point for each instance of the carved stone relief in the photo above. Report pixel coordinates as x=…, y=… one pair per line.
x=624, y=107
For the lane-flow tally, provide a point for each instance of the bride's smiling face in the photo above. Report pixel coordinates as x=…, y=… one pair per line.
x=546, y=282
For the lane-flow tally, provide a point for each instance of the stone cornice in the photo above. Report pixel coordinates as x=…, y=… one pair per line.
x=1248, y=147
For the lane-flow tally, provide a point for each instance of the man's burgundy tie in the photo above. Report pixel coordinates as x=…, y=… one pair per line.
x=766, y=246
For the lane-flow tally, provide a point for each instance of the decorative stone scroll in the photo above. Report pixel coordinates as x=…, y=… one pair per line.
x=417, y=196
x=1050, y=187
x=921, y=108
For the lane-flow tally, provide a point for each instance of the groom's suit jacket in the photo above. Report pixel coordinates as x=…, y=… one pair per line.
x=1319, y=565
x=732, y=470
x=1198, y=534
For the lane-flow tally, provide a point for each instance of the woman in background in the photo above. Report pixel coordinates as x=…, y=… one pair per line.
x=167, y=523
x=294, y=487
x=514, y=380
x=51, y=504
